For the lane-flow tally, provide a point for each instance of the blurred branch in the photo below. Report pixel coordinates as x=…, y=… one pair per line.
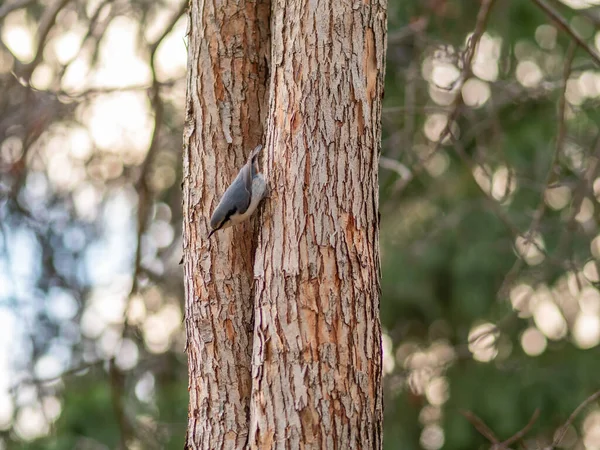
x=486, y=432
x=176, y=16
x=563, y=430
x=396, y=166
x=514, y=230
x=91, y=32
x=142, y=188
x=415, y=109
x=562, y=23
x=46, y=23
x=521, y=433
x=468, y=55
x=407, y=32
x=495, y=206
x=111, y=90
x=458, y=103
x=579, y=195
x=481, y=427
x=541, y=208
x=560, y=137
x=66, y=373
x=7, y=8
x=562, y=124
x=117, y=388
x=592, y=14
x=155, y=89
x=26, y=115
x=145, y=201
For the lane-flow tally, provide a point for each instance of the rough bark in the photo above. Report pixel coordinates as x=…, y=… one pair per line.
x=227, y=59
x=316, y=380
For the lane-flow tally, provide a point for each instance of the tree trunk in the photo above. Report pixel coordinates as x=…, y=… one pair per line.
x=316, y=380
x=227, y=63
x=316, y=348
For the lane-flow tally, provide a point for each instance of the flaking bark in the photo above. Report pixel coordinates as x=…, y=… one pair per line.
x=316, y=363
x=227, y=59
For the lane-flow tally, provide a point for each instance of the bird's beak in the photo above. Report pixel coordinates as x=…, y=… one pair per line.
x=211, y=233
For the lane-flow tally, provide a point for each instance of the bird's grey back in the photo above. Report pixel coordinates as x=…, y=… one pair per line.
x=235, y=199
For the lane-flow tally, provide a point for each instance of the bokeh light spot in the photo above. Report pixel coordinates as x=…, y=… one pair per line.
x=533, y=341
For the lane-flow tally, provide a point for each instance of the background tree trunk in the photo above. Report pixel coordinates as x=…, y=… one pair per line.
x=317, y=335
x=227, y=63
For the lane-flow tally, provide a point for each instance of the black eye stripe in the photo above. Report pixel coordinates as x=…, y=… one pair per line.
x=230, y=213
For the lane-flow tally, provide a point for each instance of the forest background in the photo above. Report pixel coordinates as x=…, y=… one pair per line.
x=490, y=236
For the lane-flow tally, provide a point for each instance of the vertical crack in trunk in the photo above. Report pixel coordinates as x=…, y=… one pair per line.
x=316, y=380
x=226, y=107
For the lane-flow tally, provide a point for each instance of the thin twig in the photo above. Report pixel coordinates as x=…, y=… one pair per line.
x=563, y=430
x=91, y=92
x=495, y=206
x=176, y=16
x=91, y=31
x=560, y=137
x=7, y=8
x=487, y=433
x=562, y=23
x=415, y=109
x=145, y=199
x=480, y=426
x=458, y=103
x=46, y=23
x=541, y=208
x=117, y=388
x=143, y=190
x=66, y=373
x=395, y=166
x=521, y=433
x=403, y=34
x=579, y=194
x=467, y=60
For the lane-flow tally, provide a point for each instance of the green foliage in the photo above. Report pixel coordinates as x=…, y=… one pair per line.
x=448, y=246
x=448, y=236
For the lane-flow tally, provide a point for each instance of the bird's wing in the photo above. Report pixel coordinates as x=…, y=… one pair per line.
x=238, y=195
x=246, y=174
x=244, y=193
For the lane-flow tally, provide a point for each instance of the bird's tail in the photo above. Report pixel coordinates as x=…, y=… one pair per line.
x=255, y=153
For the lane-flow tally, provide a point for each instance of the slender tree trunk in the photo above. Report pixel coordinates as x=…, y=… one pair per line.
x=316, y=380
x=316, y=348
x=227, y=73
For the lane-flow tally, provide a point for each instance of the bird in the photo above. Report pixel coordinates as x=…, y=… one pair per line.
x=242, y=197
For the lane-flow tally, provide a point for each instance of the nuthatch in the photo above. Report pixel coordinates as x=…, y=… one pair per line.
x=242, y=197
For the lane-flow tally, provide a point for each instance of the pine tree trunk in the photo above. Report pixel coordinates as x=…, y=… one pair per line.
x=316, y=380
x=227, y=75
x=309, y=374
